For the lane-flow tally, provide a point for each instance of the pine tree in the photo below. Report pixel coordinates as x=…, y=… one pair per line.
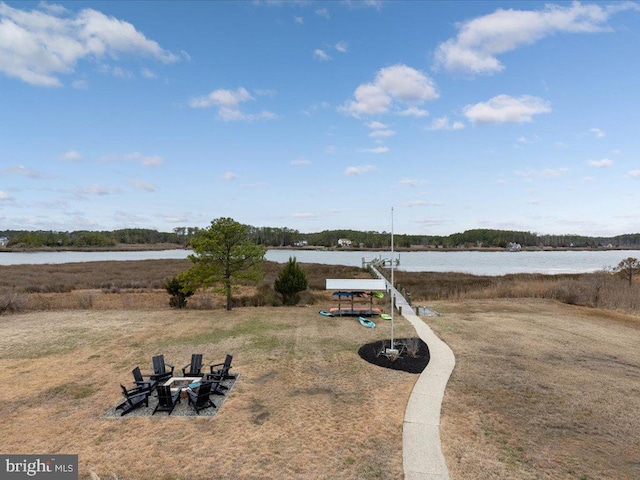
x=291, y=281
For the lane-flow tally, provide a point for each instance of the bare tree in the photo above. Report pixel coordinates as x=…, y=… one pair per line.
x=627, y=268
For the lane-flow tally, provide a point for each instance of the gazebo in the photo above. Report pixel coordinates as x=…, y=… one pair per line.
x=352, y=288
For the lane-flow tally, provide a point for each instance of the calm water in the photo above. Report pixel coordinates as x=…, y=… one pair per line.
x=479, y=263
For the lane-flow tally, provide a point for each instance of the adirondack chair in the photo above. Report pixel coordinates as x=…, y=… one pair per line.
x=223, y=371
x=139, y=380
x=195, y=367
x=200, y=400
x=167, y=400
x=134, y=398
x=160, y=372
x=216, y=387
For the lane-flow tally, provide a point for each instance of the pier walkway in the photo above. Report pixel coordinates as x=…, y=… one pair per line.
x=422, y=456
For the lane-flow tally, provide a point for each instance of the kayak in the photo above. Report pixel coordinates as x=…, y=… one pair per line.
x=365, y=322
x=325, y=314
x=385, y=316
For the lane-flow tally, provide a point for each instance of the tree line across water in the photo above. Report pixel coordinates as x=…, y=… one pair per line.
x=286, y=237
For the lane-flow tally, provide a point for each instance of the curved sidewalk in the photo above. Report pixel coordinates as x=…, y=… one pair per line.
x=421, y=448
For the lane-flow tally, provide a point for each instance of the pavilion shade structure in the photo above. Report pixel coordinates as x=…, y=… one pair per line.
x=348, y=289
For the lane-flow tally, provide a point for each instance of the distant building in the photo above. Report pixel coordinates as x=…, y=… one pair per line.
x=344, y=242
x=301, y=243
x=514, y=247
x=4, y=241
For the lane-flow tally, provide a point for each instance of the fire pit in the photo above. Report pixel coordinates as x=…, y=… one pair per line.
x=182, y=383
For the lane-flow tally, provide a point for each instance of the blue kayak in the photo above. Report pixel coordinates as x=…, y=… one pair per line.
x=365, y=322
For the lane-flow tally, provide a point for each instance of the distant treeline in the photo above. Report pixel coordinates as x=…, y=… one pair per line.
x=286, y=237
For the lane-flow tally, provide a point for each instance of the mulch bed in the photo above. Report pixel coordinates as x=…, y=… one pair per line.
x=374, y=353
x=182, y=409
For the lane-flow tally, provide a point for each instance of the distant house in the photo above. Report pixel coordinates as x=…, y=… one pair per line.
x=344, y=242
x=4, y=241
x=514, y=247
x=301, y=243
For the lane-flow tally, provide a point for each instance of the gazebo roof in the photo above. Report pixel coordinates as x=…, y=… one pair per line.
x=355, y=284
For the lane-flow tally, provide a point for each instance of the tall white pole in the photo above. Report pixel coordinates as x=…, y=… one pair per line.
x=392, y=283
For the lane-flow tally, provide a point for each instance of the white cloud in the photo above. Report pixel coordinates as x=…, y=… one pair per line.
x=634, y=173
x=300, y=161
x=229, y=176
x=139, y=185
x=4, y=195
x=480, y=40
x=443, y=123
x=413, y=112
x=341, y=46
x=411, y=182
x=96, y=189
x=298, y=20
x=115, y=71
x=382, y=133
x=144, y=160
x=597, y=132
x=398, y=83
x=507, y=109
x=321, y=55
x=146, y=73
x=375, y=4
x=24, y=171
x=380, y=149
x=38, y=46
x=228, y=103
x=544, y=173
x=304, y=215
x=376, y=125
x=80, y=84
x=605, y=162
x=360, y=170
x=322, y=12
x=72, y=156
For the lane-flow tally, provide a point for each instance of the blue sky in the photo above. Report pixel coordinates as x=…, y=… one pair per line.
x=321, y=115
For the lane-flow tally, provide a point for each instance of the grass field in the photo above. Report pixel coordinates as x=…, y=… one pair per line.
x=540, y=390
x=305, y=406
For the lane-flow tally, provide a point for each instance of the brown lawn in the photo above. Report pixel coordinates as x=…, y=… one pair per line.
x=305, y=406
x=541, y=390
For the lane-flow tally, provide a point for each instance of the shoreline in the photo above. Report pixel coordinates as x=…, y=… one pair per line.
x=419, y=248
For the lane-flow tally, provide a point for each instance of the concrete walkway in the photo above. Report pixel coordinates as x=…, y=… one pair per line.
x=421, y=449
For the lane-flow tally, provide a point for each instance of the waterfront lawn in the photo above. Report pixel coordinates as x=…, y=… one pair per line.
x=305, y=406
x=540, y=390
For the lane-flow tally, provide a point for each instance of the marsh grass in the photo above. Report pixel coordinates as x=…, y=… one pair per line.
x=138, y=285
x=306, y=405
x=599, y=289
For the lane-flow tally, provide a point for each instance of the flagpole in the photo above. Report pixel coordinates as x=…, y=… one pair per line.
x=392, y=282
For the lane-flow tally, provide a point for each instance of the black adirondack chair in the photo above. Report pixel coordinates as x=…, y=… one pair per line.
x=139, y=380
x=223, y=371
x=160, y=372
x=195, y=367
x=216, y=387
x=200, y=400
x=134, y=398
x=167, y=400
